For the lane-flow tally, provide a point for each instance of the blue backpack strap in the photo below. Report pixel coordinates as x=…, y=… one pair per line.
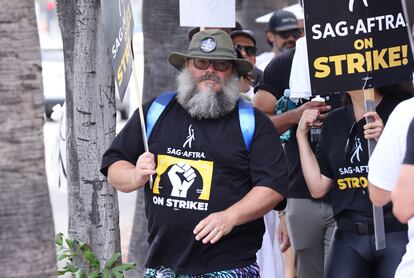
x=247, y=121
x=156, y=108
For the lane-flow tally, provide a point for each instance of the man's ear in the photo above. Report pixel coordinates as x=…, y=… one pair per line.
x=270, y=37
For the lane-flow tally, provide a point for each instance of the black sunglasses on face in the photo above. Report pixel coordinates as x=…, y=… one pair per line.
x=248, y=49
x=295, y=33
x=218, y=65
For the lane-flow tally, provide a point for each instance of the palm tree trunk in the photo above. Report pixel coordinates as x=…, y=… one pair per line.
x=26, y=222
x=90, y=104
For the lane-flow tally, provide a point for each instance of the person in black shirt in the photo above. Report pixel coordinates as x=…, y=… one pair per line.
x=211, y=188
x=341, y=167
x=310, y=222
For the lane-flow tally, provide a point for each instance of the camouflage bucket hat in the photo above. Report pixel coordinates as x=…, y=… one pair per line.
x=212, y=44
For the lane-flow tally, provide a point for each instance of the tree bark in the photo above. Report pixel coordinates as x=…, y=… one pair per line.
x=162, y=35
x=90, y=118
x=26, y=222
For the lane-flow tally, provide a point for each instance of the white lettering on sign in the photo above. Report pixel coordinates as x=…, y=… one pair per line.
x=363, y=26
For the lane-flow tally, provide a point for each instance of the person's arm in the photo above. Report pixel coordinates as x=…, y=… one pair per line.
x=254, y=205
x=127, y=177
x=283, y=235
x=403, y=194
x=318, y=184
x=266, y=102
x=378, y=196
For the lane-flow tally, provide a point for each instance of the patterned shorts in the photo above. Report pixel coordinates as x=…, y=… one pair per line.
x=251, y=271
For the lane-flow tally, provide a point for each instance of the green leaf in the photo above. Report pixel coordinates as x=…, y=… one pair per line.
x=78, y=274
x=112, y=260
x=70, y=243
x=84, y=247
x=124, y=267
x=70, y=268
x=61, y=272
x=117, y=274
x=59, y=239
x=91, y=258
x=94, y=274
x=106, y=273
x=63, y=254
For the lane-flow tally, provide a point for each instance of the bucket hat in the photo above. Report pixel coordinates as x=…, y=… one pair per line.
x=212, y=44
x=194, y=30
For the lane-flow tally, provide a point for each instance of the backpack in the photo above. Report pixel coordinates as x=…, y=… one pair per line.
x=245, y=109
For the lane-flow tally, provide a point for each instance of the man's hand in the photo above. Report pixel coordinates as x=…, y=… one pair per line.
x=144, y=168
x=373, y=130
x=320, y=106
x=214, y=227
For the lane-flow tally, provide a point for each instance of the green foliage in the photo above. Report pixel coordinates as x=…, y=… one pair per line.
x=73, y=248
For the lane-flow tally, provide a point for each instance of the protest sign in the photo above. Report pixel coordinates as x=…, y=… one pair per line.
x=351, y=42
x=119, y=28
x=408, y=6
x=208, y=13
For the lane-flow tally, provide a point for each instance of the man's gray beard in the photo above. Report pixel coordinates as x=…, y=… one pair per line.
x=206, y=104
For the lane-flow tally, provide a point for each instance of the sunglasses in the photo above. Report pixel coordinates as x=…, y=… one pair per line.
x=218, y=65
x=295, y=33
x=249, y=50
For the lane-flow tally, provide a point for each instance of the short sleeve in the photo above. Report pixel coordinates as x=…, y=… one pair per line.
x=409, y=155
x=127, y=145
x=385, y=161
x=275, y=78
x=268, y=165
x=323, y=161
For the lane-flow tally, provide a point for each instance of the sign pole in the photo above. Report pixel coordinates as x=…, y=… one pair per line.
x=141, y=114
x=377, y=212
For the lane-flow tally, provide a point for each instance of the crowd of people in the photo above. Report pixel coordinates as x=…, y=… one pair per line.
x=230, y=194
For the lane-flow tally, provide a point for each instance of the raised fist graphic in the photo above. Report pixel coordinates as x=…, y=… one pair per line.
x=180, y=187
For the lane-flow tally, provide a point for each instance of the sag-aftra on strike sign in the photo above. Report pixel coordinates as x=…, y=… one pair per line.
x=354, y=40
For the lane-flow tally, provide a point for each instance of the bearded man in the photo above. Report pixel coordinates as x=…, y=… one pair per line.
x=211, y=187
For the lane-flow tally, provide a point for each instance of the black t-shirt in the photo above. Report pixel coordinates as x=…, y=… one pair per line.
x=203, y=167
x=409, y=154
x=275, y=80
x=257, y=75
x=348, y=166
x=276, y=76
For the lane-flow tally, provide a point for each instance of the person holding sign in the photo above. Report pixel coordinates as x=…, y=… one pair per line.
x=340, y=166
x=217, y=165
x=310, y=222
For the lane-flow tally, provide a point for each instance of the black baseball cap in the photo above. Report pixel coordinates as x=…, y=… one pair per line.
x=282, y=20
x=244, y=33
